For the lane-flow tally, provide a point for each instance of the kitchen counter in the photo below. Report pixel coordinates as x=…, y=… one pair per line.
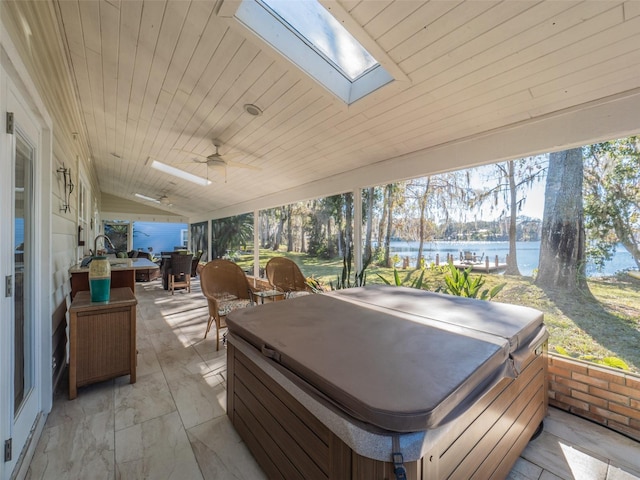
x=123, y=274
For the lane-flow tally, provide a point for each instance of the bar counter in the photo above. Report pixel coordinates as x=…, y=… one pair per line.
x=123, y=274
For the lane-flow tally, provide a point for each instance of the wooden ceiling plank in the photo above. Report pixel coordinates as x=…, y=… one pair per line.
x=72, y=26
x=631, y=9
x=593, y=71
x=428, y=13
x=586, y=91
x=201, y=59
x=452, y=20
x=349, y=5
x=90, y=17
x=109, y=28
x=253, y=95
x=203, y=95
x=172, y=22
x=305, y=108
x=277, y=113
x=160, y=114
x=365, y=11
x=475, y=33
x=231, y=104
x=150, y=25
x=192, y=30
x=555, y=32
x=208, y=112
x=530, y=45
x=391, y=16
x=94, y=67
x=129, y=28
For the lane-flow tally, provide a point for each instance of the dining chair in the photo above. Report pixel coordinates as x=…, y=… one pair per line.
x=194, y=263
x=285, y=276
x=226, y=288
x=180, y=271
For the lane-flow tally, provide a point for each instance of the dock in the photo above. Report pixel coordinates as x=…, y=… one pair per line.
x=486, y=266
x=470, y=260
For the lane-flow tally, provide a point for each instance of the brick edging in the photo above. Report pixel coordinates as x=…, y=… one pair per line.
x=604, y=395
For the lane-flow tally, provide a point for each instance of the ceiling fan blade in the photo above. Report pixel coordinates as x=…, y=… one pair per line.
x=242, y=165
x=193, y=157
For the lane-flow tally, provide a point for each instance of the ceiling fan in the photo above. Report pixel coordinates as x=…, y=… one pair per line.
x=215, y=160
x=162, y=200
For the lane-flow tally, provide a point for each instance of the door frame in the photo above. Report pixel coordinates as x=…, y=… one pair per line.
x=15, y=82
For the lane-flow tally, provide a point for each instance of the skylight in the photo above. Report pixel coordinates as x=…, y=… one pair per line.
x=176, y=172
x=314, y=23
x=310, y=37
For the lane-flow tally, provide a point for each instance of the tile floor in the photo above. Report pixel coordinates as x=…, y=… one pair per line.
x=171, y=423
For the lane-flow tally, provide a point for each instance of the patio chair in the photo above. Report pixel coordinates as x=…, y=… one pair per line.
x=226, y=288
x=194, y=263
x=180, y=271
x=285, y=276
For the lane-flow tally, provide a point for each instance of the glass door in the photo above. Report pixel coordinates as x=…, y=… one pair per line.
x=21, y=334
x=23, y=374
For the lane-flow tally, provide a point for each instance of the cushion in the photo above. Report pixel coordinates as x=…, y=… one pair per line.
x=297, y=294
x=227, y=306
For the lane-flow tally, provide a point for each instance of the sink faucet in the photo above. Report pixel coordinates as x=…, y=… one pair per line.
x=95, y=243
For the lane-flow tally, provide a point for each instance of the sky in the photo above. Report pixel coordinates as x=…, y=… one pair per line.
x=533, y=206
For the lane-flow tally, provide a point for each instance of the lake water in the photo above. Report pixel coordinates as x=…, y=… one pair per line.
x=528, y=254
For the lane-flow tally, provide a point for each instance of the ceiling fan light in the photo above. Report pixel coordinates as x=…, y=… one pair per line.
x=176, y=172
x=252, y=109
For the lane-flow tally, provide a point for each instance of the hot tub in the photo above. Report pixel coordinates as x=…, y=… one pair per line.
x=331, y=385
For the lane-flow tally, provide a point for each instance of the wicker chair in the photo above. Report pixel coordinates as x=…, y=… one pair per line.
x=180, y=271
x=285, y=276
x=226, y=288
x=194, y=263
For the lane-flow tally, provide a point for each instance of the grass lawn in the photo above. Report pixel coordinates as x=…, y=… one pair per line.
x=604, y=322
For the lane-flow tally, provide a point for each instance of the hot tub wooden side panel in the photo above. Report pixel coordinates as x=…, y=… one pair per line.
x=288, y=442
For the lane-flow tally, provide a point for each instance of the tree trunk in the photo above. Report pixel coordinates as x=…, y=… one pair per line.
x=289, y=230
x=512, y=259
x=627, y=240
x=348, y=223
x=387, y=237
x=423, y=206
x=383, y=220
x=277, y=240
x=369, y=227
x=562, y=246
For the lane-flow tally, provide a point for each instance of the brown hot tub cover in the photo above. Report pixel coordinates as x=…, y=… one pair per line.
x=397, y=359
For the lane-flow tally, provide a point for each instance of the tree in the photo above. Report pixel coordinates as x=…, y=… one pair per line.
x=389, y=198
x=612, y=198
x=289, y=209
x=281, y=215
x=512, y=177
x=562, y=247
x=422, y=198
x=230, y=233
x=348, y=224
x=368, y=215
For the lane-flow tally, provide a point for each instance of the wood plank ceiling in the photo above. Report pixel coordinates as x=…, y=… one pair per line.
x=156, y=79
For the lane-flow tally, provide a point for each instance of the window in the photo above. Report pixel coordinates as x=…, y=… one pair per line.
x=308, y=35
x=84, y=235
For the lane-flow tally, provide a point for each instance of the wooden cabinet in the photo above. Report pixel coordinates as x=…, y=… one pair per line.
x=102, y=338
